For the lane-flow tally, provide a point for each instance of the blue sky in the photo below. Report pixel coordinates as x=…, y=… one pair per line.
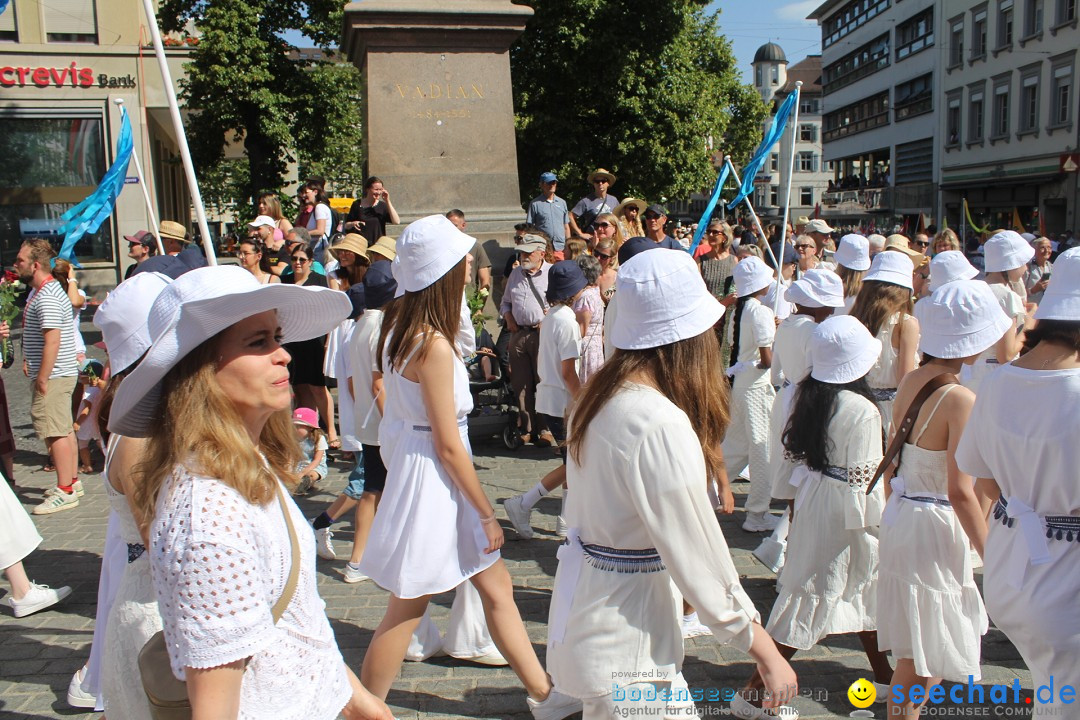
x=749, y=24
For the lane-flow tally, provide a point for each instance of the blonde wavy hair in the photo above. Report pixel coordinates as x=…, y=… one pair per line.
x=200, y=429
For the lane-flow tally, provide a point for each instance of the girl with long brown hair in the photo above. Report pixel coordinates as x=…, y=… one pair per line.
x=852, y=261
x=612, y=607
x=435, y=527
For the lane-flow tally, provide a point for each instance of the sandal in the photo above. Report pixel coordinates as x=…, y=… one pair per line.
x=49, y=468
x=335, y=444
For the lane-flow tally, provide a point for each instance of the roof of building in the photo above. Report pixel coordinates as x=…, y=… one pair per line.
x=808, y=71
x=770, y=52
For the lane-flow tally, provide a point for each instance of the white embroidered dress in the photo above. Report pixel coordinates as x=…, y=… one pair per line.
x=829, y=582
x=791, y=356
x=219, y=564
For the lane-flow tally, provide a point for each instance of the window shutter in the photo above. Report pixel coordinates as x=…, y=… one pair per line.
x=70, y=17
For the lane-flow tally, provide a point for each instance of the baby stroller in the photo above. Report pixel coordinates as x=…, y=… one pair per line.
x=495, y=409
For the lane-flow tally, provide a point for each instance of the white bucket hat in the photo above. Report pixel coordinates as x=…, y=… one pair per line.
x=853, y=252
x=842, y=350
x=428, y=249
x=949, y=266
x=662, y=299
x=891, y=267
x=960, y=319
x=751, y=275
x=817, y=288
x=122, y=318
x=1007, y=251
x=197, y=306
x=1061, y=300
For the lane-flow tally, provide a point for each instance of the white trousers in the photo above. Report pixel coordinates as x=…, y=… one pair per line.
x=113, y=562
x=466, y=634
x=747, y=440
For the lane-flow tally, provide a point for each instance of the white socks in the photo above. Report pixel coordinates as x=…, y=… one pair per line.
x=533, y=496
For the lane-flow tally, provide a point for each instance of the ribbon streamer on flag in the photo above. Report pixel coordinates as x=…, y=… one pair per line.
x=976, y=228
x=706, y=216
x=751, y=168
x=87, y=216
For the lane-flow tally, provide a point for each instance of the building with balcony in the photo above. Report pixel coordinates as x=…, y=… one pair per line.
x=774, y=81
x=61, y=66
x=881, y=63
x=1009, y=113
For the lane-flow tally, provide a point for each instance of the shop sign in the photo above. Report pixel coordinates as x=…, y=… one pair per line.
x=70, y=76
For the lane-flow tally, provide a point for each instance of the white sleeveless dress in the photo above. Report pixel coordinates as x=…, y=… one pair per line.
x=134, y=617
x=929, y=608
x=426, y=538
x=882, y=377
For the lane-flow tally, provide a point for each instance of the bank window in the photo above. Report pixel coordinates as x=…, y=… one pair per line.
x=1029, y=103
x=806, y=196
x=70, y=21
x=1005, y=25
x=8, y=29
x=50, y=165
x=1061, y=100
x=773, y=201
x=1001, y=110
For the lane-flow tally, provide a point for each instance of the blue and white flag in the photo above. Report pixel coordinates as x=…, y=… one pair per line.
x=703, y=223
x=88, y=215
x=750, y=171
x=3, y=6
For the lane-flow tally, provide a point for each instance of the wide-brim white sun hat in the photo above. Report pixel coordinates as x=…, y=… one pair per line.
x=950, y=266
x=196, y=307
x=853, y=252
x=428, y=249
x=891, y=267
x=817, y=288
x=1061, y=299
x=662, y=300
x=1007, y=251
x=842, y=350
x=960, y=319
x=121, y=318
x=751, y=275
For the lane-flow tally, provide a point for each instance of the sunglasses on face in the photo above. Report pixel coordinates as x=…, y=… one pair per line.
x=602, y=225
x=803, y=247
x=920, y=243
x=301, y=260
x=602, y=257
x=652, y=217
x=599, y=182
x=713, y=232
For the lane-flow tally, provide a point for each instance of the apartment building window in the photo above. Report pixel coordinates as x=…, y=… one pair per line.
x=807, y=133
x=773, y=194
x=1061, y=97
x=806, y=196
x=774, y=162
x=978, y=34
x=807, y=162
x=914, y=97
x=1029, y=101
x=8, y=29
x=853, y=15
x=70, y=21
x=915, y=34
x=1066, y=11
x=956, y=43
x=1005, y=25
x=976, y=112
x=864, y=60
x=858, y=117
x=952, y=120
x=809, y=106
x=1033, y=18
x=1000, y=120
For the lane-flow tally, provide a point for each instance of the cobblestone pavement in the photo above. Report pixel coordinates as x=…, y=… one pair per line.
x=39, y=653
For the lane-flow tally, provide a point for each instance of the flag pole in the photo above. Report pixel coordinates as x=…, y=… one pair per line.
x=178, y=128
x=757, y=222
x=790, y=172
x=145, y=191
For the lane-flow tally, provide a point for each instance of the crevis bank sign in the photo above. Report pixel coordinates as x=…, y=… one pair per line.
x=70, y=76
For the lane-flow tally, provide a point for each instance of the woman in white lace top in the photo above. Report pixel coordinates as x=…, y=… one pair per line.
x=212, y=395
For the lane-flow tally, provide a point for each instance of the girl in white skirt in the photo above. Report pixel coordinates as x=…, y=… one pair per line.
x=435, y=527
x=884, y=306
x=19, y=538
x=613, y=624
x=930, y=613
x=829, y=582
x=1021, y=444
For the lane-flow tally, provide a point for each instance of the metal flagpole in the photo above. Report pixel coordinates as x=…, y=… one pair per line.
x=178, y=128
x=753, y=214
x=145, y=191
x=790, y=172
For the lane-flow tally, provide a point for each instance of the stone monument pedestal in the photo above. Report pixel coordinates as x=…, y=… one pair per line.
x=439, y=112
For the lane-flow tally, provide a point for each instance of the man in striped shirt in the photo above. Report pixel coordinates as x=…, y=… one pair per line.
x=49, y=350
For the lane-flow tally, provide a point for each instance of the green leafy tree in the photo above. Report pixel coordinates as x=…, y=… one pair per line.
x=636, y=86
x=245, y=86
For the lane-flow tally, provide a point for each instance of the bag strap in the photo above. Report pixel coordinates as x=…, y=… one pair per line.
x=535, y=292
x=294, y=565
x=904, y=429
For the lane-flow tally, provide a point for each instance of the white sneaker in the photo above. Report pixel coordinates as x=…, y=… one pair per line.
x=39, y=597
x=324, y=544
x=740, y=708
x=770, y=553
x=692, y=627
x=883, y=692
x=519, y=516
x=555, y=707
x=77, y=697
x=56, y=502
x=560, y=526
x=493, y=658
x=353, y=575
x=77, y=486
x=760, y=522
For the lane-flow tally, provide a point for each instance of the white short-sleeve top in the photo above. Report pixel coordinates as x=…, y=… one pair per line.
x=219, y=563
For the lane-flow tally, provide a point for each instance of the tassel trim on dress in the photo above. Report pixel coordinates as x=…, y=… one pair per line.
x=623, y=561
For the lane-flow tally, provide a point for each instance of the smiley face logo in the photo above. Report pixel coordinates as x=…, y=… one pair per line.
x=862, y=694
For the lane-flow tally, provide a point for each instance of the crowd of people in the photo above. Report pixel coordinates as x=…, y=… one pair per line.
x=901, y=417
